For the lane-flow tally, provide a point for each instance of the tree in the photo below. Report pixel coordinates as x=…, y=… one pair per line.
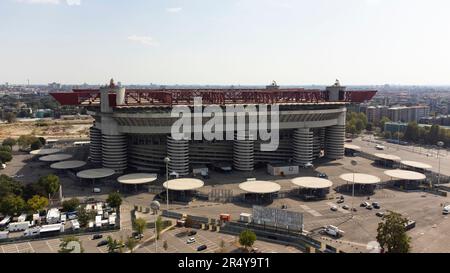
x=6, y=148
x=139, y=225
x=114, y=244
x=42, y=140
x=222, y=245
x=369, y=126
x=159, y=227
x=165, y=245
x=392, y=235
x=85, y=216
x=10, y=117
x=37, y=203
x=5, y=156
x=412, y=132
x=131, y=243
x=12, y=204
x=383, y=122
x=11, y=142
x=114, y=199
x=50, y=183
x=71, y=205
x=25, y=141
x=69, y=244
x=36, y=145
x=10, y=186
x=247, y=238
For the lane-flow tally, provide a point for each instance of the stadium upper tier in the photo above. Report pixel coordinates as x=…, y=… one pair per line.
x=170, y=97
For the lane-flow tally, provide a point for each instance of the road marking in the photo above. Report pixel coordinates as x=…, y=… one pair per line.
x=311, y=211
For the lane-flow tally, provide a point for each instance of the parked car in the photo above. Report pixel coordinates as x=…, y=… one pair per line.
x=191, y=240
x=102, y=243
x=340, y=201
x=410, y=225
x=96, y=190
x=97, y=236
x=375, y=205
x=345, y=207
x=379, y=147
x=202, y=247
x=369, y=207
x=192, y=233
x=334, y=208
x=364, y=204
x=322, y=175
x=379, y=214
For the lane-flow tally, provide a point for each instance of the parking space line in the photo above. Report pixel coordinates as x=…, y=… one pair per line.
x=311, y=211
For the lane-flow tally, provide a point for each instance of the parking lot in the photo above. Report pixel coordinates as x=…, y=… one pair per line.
x=177, y=243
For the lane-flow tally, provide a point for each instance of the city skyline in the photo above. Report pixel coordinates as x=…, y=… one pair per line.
x=246, y=42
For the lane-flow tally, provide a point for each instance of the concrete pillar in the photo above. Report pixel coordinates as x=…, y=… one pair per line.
x=95, y=148
x=243, y=154
x=316, y=145
x=303, y=146
x=114, y=152
x=335, y=138
x=178, y=152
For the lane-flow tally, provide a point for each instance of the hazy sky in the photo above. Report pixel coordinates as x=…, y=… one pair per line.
x=225, y=41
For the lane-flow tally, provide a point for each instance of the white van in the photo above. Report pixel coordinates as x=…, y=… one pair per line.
x=31, y=232
x=19, y=226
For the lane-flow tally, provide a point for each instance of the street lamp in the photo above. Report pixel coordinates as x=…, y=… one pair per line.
x=167, y=161
x=354, y=163
x=440, y=144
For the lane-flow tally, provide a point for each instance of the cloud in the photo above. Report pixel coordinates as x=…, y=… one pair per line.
x=53, y=2
x=145, y=40
x=174, y=10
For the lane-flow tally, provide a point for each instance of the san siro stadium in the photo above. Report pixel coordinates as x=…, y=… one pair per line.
x=132, y=129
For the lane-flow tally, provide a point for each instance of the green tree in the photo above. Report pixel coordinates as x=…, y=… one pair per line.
x=5, y=156
x=12, y=205
x=85, y=216
x=36, y=145
x=11, y=142
x=139, y=225
x=71, y=205
x=114, y=245
x=37, y=203
x=10, y=186
x=10, y=117
x=114, y=199
x=25, y=141
x=412, y=132
x=50, y=183
x=247, y=238
x=392, y=235
x=6, y=148
x=159, y=226
x=131, y=243
x=42, y=140
x=383, y=122
x=66, y=247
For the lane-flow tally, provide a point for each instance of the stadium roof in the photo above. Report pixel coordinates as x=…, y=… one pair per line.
x=45, y=151
x=388, y=157
x=417, y=165
x=352, y=147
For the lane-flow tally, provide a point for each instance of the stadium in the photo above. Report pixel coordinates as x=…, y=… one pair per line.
x=132, y=129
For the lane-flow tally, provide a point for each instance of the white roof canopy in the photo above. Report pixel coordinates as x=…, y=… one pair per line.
x=67, y=165
x=360, y=178
x=45, y=151
x=405, y=175
x=388, y=157
x=95, y=173
x=183, y=184
x=55, y=157
x=417, y=165
x=260, y=187
x=352, y=147
x=137, y=178
x=312, y=182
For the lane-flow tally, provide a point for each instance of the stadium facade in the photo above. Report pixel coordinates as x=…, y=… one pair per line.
x=132, y=127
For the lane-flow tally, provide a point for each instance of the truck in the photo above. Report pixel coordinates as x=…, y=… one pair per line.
x=31, y=232
x=245, y=218
x=74, y=224
x=51, y=229
x=18, y=226
x=333, y=231
x=4, y=235
x=5, y=221
x=53, y=216
x=225, y=217
x=22, y=217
